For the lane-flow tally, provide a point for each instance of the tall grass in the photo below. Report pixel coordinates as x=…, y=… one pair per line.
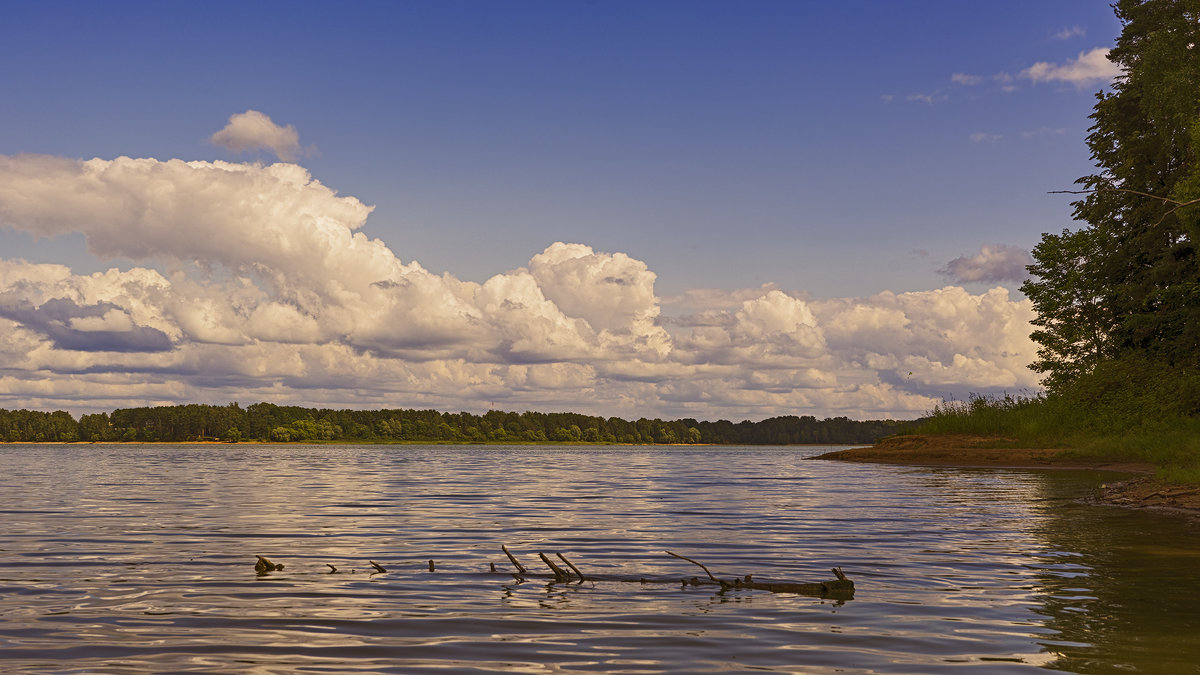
x=1032, y=421
x=1128, y=409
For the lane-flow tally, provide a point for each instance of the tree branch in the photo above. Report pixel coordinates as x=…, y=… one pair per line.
x=1166, y=200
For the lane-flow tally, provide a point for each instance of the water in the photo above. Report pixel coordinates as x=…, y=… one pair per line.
x=140, y=559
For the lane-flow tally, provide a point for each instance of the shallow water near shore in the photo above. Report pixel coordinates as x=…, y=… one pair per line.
x=140, y=559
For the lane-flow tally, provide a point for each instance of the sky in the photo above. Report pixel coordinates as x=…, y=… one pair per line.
x=709, y=209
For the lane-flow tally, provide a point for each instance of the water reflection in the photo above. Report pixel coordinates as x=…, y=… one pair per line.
x=1119, y=590
x=141, y=559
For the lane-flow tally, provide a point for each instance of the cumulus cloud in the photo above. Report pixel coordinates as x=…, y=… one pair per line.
x=244, y=216
x=934, y=341
x=1088, y=68
x=101, y=327
x=268, y=290
x=996, y=263
x=965, y=79
x=253, y=130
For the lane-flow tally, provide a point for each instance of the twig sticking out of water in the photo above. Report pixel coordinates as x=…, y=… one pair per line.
x=559, y=573
x=572, y=566
x=516, y=563
x=332, y=569
x=710, y=574
x=431, y=566
x=378, y=568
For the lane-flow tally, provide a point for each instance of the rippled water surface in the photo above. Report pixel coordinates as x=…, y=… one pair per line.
x=139, y=559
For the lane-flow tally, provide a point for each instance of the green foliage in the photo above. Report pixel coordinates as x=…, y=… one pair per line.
x=292, y=424
x=1133, y=408
x=1118, y=301
x=1133, y=393
x=1121, y=398
x=31, y=425
x=1073, y=325
x=1028, y=420
x=1128, y=282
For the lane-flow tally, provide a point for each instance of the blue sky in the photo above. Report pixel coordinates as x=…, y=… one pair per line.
x=831, y=151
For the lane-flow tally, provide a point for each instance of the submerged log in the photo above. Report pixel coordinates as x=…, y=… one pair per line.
x=837, y=588
x=841, y=588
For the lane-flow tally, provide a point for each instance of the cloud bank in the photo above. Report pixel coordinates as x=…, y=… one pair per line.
x=256, y=282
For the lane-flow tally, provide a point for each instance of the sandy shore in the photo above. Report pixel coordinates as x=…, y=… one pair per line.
x=1137, y=489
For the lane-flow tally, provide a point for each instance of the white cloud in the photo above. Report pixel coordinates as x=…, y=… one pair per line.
x=965, y=79
x=935, y=341
x=613, y=293
x=253, y=130
x=270, y=293
x=1043, y=131
x=996, y=263
x=985, y=137
x=1088, y=68
x=1005, y=81
x=1070, y=32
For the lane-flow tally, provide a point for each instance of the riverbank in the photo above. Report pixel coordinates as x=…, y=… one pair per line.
x=1142, y=490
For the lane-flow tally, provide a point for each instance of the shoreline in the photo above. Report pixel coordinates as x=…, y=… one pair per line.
x=1139, y=488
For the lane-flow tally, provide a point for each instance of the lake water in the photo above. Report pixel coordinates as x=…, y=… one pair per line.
x=140, y=559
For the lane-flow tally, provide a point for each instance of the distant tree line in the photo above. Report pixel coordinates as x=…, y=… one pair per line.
x=288, y=424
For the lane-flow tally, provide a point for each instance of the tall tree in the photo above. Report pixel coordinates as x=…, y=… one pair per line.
x=1128, y=282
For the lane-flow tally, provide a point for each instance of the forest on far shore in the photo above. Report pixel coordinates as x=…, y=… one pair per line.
x=267, y=422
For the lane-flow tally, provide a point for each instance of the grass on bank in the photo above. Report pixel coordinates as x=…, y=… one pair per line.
x=1131, y=410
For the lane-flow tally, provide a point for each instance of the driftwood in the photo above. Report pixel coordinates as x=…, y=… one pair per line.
x=710, y=574
x=1165, y=494
x=513, y=560
x=840, y=588
x=559, y=574
x=571, y=565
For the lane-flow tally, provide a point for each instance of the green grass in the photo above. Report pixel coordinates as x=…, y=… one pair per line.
x=1129, y=410
x=1029, y=420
